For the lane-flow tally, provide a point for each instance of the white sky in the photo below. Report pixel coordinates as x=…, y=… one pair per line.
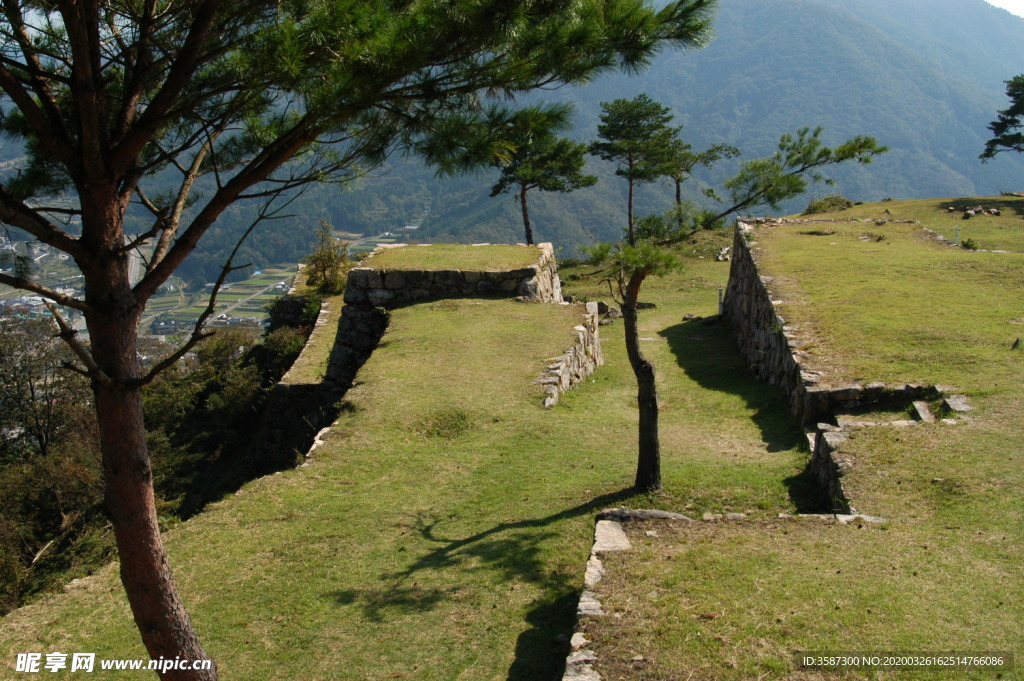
x=1014, y=6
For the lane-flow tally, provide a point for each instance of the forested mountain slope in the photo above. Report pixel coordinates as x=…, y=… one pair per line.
x=925, y=77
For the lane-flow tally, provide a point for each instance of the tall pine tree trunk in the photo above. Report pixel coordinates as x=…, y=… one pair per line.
x=679, y=203
x=129, y=501
x=648, y=468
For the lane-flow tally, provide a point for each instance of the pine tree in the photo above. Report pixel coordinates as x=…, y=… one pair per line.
x=241, y=101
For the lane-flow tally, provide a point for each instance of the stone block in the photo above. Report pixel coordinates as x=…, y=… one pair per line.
x=846, y=393
x=355, y=295
x=378, y=297
x=394, y=280
x=364, y=277
x=594, y=572
x=957, y=403
x=924, y=412
x=609, y=536
x=448, y=277
x=589, y=606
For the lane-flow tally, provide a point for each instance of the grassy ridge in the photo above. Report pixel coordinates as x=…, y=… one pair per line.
x=736, y=600
x=441, y=531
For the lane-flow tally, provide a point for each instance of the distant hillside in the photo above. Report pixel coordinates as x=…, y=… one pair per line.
x=923, y=77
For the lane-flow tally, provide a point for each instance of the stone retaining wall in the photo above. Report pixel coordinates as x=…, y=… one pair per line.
x=576, y=363
x=370, y=292
x=390, y=288
x=359, y=331
x=761, y=332
x=773, y=351
x=295, y=411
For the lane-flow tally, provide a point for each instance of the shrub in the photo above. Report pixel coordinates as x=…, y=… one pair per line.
x=833, y=203
x=327, y=267
x=651, y=228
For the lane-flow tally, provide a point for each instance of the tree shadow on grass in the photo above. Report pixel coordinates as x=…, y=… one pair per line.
x=709, y=355
x=539, y=656
x=514, y=552
x=1004, y=204
x=378, y=604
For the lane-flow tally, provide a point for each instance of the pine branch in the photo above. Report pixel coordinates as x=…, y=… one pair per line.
x=45, y=292
x=69, y=336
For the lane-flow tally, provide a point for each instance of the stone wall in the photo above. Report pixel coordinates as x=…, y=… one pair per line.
x=826, y=412
x=359, y=331
x=295, y=411
x=761, y=333
x=390, y=288
x=370, y=292
x=827, y=467
x=576, y=363
x=773, y=349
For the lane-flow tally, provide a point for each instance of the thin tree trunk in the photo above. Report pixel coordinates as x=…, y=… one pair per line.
x=526, y=214
x=129, y=502
x=629, y=215
x=648, y=467
x=679, y=202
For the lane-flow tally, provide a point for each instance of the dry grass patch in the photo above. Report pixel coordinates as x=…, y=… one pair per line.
x=453, y=257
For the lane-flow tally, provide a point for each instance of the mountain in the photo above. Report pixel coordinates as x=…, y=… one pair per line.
x=925, y=77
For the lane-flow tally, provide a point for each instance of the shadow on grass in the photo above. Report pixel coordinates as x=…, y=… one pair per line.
x=1004, y=204
x=513, y=551
x=516, y=556
x=377, y=604
x=806, y=494
x=708, y=355
x=539, y=657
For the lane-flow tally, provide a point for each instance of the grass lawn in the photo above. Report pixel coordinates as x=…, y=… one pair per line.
x=311, y=365
x=990, y=232
x=736, y=600
x=441, y=531
x=454, y=257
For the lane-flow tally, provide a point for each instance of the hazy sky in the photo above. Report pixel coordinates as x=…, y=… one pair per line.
x=1015, y=6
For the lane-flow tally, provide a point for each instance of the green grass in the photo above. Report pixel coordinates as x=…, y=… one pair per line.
x=442, y=530
x=311, y=365
x=454, y=257
x=1005, y=231
x=734, y=600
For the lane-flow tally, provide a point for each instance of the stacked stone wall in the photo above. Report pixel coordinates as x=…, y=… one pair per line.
x=826, y=412
x=371, y=292
x=761, y=332
x=576, y=363
x=390, y=288
x=295, y=411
